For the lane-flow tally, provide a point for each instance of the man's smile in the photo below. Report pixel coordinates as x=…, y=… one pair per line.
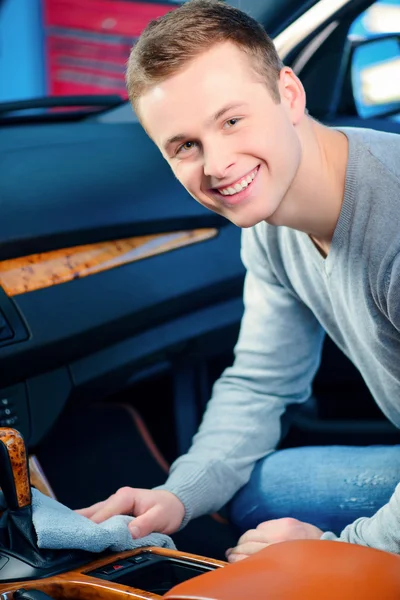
x=238, y=185
x=236, y=191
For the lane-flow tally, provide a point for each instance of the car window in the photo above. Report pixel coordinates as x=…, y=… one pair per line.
x=375, y=69
x=69, y=47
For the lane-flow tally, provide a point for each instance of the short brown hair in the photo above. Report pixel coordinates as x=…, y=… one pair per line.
x=168, y=43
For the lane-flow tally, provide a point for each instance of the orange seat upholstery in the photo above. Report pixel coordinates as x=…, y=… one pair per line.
x=300, y=570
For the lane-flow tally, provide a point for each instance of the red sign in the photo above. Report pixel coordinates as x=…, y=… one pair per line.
x=88, y=43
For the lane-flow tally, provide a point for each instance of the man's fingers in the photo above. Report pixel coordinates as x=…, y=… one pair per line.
x=120, y=503
x=232, y=558
x=253, y=535
x=147, y=523
x=90, y=510
x=246, y=549
x=154, y=510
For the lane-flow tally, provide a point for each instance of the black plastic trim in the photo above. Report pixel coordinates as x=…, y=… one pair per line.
x=71, y=320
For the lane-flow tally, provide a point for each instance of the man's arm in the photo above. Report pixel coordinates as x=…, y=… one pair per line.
x=276, y=357
x=382, y=530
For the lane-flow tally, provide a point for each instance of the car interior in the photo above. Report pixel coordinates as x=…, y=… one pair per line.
x=120, y=305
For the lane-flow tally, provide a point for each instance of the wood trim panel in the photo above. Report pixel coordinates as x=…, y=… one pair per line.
x=38, y=478
x=75, y=586
x=79, y=586
x=37, y=271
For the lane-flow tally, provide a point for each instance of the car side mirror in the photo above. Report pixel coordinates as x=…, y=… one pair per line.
x=375, y=75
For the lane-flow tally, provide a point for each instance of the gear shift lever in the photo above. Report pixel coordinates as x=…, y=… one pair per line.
x=14, y=470
x=20, y=556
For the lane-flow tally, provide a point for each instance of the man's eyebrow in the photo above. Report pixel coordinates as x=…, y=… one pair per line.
x=220, y=113
x=175, y=138
x=180, y=137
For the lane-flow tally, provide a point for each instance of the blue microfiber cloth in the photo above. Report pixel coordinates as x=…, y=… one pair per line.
x=60, y=528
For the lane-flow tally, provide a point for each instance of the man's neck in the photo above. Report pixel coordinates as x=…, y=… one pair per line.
x=315, y=197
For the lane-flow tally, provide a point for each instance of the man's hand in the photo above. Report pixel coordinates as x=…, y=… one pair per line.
x=156, y=510
x=272, y=532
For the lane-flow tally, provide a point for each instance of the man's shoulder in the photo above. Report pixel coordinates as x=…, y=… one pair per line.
x=382, y=146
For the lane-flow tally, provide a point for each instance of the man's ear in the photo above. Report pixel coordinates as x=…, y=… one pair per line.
x=292, y=94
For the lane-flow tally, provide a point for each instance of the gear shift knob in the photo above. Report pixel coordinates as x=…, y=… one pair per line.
x=14, y=469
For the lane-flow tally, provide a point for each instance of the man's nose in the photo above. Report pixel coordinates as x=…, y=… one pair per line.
x=217, y=163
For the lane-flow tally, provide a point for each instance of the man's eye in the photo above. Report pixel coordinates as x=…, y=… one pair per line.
x=186, y=147
x=231, y=123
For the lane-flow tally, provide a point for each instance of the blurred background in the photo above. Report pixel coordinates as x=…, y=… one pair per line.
x=66, y=47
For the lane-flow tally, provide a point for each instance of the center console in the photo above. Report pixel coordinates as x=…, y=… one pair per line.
x=297, y=569
x=151, y=572
x=146, y=574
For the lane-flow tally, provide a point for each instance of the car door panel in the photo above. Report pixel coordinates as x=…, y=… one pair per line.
x=72, y=184
x=77, y=183
x=69, y=320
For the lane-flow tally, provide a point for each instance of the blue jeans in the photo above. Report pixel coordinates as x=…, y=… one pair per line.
x=328, y=486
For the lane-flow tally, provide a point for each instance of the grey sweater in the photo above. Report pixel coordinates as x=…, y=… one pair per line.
x=292, y=296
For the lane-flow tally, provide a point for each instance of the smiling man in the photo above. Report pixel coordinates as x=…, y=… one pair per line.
x=320, y=212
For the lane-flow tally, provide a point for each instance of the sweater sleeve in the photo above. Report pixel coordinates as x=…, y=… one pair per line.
x=381, y=531
x=276, y=357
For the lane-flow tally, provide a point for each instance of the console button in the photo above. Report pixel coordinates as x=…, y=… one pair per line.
x=8, y=418
x=138, y=559
x=9, y=422
x=14, y=408
x=114, y=568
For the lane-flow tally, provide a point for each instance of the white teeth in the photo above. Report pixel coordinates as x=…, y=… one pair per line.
x=238, y=187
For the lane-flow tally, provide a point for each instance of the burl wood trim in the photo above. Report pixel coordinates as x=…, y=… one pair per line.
x=15, y=445
x=37, y=271
x=38, y=478
x=76, y=584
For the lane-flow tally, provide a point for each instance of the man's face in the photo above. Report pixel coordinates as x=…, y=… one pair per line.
x=233, y=148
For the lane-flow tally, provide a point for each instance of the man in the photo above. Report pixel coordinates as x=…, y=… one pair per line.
x=320, y=213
